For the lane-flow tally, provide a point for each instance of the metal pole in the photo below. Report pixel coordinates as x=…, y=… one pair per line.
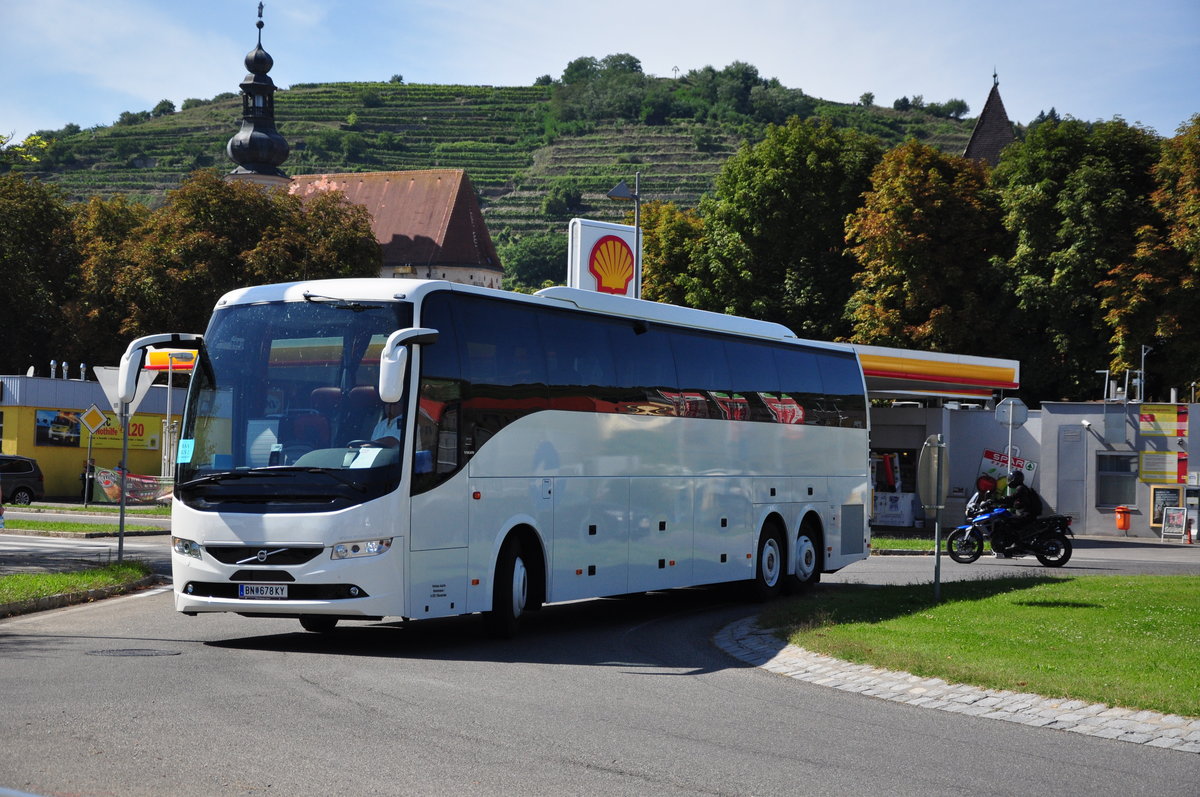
x=124, y=477
x=88, y=473
x=937, y=533
x=637, y=229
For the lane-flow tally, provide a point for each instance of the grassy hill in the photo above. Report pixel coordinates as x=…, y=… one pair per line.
x=497, y=134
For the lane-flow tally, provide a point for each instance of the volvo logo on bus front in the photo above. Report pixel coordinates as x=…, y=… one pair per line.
x=262, y=555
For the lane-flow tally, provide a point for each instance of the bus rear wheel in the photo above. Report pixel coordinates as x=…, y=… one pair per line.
x=770, y=567
x=808, y=562
x=510, y=592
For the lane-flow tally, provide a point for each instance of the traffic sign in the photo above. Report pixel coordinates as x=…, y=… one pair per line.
x=93, y=418
x=1012, y=412
x=933, y=474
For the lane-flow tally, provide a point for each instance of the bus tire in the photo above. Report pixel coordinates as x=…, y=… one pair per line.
x=808, y=561
x=510, y=592
x=770, y=567
x=318, y=623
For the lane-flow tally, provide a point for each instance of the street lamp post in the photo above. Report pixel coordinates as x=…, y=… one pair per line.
x=622, y=193
x=1142, y=373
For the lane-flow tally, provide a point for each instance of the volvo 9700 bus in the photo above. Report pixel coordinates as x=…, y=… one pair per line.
x=365, y=449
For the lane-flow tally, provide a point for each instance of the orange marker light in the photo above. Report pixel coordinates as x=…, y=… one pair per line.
x=477, y=495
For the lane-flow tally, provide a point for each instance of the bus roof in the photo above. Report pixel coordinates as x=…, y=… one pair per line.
x=379, y=289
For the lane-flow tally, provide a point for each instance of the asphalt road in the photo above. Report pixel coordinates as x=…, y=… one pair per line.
x=612, y=697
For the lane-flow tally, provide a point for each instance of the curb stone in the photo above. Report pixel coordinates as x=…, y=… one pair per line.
x=745, y=641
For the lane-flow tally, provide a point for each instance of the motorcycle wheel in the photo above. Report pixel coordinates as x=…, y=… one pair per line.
x=1053, y=549
x=964, y=546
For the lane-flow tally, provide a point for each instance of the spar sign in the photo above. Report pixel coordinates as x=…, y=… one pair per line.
x=601, y=256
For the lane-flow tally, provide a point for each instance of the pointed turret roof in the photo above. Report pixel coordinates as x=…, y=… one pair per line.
x=993, y=131
x=258, y=148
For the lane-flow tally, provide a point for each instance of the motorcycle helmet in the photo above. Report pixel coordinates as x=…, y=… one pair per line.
x=1016, y=479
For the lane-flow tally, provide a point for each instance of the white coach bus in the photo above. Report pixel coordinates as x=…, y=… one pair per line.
x=362, y=449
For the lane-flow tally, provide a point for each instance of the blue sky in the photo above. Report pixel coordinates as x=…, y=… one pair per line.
x=86, y=61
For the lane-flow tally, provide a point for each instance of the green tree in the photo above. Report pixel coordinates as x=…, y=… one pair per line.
x=581, y=70
x=1177, y=195
x=164, y=108
x=101, y=228
x=28, y=151
x=672, y=238
x=533, y=261
x=1074, y=196
x=925, y=237
x=212, y=236
x=1153, y=295
x=775, y=228
x=37, y=260
x=563, y=197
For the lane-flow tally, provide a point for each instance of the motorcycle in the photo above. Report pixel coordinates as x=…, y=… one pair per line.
x=1047, y=538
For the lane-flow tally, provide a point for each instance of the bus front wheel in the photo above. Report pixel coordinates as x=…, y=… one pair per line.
x=318, y=623
x=510, y=592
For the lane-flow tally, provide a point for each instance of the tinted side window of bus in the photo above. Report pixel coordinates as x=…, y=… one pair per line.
x=503, y=366
x=705, y=386
x=580, y=371
x=800, y=385
x=755, y=379
x=645, y=367
x=846, y=405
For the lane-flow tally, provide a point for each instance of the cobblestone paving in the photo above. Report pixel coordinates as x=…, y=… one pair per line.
x=745, y=641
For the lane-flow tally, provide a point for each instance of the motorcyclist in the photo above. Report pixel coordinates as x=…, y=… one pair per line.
x=1025, y=505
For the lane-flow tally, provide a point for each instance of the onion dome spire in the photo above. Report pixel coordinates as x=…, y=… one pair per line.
x=258, y=148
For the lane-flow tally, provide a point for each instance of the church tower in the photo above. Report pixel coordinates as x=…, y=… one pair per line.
x=993, y=132
x=258, y=149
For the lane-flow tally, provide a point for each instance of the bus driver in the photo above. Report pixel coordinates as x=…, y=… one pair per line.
x=389, y=431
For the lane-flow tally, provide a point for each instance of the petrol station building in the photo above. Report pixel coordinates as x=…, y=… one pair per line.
x=1095, y=461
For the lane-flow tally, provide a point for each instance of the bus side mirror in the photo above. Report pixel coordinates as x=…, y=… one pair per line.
x=135, y=357
x=393, y=360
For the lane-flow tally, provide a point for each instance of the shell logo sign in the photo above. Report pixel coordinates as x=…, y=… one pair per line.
x=611, y=263
x=601, y=257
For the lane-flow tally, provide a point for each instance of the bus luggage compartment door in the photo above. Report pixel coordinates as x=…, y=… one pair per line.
x=438, y=583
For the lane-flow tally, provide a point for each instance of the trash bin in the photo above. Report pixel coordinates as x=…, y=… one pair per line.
x=1122, y=516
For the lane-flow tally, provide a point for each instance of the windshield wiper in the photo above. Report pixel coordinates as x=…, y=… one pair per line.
x=340, y=304
x=226, y=475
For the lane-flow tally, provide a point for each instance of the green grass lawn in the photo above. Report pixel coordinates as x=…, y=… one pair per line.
x=1127, y=641
x=73, y=527
x=904, y=543
x=28, y=586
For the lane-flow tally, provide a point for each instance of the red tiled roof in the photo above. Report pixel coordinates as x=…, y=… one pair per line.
x=420, y=218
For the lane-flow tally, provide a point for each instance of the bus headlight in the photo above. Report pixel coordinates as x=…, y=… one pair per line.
x=185, y=547
x=351, y=550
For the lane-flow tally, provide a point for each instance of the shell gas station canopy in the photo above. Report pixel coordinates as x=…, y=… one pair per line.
x=903, y=373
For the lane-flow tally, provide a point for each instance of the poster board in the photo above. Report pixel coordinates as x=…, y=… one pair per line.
x=1162, y=497
x=1174, y=523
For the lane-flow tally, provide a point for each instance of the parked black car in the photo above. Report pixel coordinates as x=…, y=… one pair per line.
x=21, y=479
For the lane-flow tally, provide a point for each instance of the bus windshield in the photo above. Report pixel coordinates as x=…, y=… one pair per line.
x=284, y=414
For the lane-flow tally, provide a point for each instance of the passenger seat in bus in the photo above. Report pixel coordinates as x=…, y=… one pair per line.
x=363, y=407
x=326, y=401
